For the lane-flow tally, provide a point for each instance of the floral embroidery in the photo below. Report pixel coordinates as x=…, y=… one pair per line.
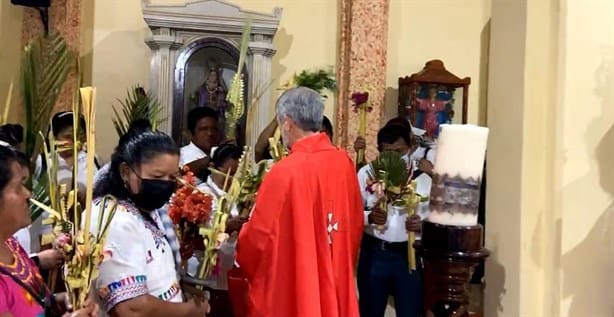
x=170, y=293
x=124, y=289
x=157, y=234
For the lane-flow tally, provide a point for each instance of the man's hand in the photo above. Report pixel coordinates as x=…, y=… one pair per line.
x=199, y=166
x=235, y=223
x=50, y=259
x=360, y=144
x=413, y=224
x=377, y=216
x=425, y=166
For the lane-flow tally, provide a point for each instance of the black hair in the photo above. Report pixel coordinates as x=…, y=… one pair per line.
x=391, y=133
x=134, y=148
x=11, y=134
x=198, y=114
x=64, y=119
x=399, y=121
x=327, y=126
x=139, y=126
x=225, y=152
x=22, y=159
x=7, y=157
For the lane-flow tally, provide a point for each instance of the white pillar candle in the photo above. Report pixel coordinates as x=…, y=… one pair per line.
x=459, y=164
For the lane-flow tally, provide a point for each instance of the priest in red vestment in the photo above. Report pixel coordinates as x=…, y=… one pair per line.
x=300, y=247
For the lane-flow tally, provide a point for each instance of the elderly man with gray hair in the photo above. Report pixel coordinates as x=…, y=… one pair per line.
x=298, y=251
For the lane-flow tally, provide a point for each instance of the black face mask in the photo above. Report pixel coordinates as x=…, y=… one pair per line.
x=154, y=193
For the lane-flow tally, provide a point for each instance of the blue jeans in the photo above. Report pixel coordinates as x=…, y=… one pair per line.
x=384, y=272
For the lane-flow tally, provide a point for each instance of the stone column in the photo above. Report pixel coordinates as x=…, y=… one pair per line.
x=164, y=45
x=64, y=18
x=363, y=38
x=261, y=53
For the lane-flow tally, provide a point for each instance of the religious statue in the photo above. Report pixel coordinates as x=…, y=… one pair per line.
x=212, y=94
x=431, y=108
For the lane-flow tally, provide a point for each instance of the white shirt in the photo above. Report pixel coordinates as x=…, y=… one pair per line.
x=64, y=176
x=218, y=278
x=189, y=154
x=138, y=259
x=23, y=237
x=394, y=229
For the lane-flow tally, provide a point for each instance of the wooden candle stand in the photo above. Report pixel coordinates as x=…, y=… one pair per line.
x=450, y=254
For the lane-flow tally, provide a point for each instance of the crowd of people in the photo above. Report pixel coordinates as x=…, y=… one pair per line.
x=315, y=236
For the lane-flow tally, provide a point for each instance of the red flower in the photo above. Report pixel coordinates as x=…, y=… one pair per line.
x=190, y=204
x=359, y=99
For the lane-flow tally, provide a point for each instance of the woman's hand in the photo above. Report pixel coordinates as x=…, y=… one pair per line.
x=199, y=306
x=50, y=259
x=89, y=307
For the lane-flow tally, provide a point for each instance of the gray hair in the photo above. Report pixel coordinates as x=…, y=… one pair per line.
x=304, y=106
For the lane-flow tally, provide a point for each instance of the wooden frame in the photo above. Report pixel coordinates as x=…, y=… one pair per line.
x=433, y=75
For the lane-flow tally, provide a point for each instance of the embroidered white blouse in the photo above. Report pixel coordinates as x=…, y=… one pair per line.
x=138, y=259
x=218, y=277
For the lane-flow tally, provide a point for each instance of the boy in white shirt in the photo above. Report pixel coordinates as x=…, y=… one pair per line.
x=383, y=268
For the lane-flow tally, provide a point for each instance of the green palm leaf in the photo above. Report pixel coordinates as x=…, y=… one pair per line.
x=137, y=105
x=45, y=65
x=319, y=80
x=390, y=169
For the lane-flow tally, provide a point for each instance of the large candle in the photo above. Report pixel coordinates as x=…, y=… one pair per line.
x=457, y=175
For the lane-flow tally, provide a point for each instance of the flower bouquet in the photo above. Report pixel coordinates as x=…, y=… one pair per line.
x=189, y=209
x=361, y=106
x=390, y=181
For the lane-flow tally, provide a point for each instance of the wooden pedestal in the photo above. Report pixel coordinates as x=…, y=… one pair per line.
x=449, y=254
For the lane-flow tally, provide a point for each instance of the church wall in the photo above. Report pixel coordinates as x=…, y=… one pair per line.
x=454, y=31
x=549, y=221
x=10, y=55
x=586, y=139
x=119, y=57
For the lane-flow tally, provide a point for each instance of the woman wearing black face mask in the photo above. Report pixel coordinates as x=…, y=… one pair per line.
x=138, y=276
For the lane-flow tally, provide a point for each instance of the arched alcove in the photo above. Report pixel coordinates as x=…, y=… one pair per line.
x=194, y=62
x=180, y=32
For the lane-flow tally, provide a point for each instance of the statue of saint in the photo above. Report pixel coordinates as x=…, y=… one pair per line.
x=430, y=108
x=212, y=94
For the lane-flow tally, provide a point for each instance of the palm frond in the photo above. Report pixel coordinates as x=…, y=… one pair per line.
x=319, y=80
x=39, y=193
x=45, y=65
x=137, y=105
x=235, y=93
x=391, y=169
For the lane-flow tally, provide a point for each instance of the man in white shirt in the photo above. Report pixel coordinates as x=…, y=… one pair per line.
x=202, y=124
x=383, y=268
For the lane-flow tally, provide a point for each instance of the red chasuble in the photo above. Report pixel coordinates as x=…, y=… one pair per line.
x=299, y=249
